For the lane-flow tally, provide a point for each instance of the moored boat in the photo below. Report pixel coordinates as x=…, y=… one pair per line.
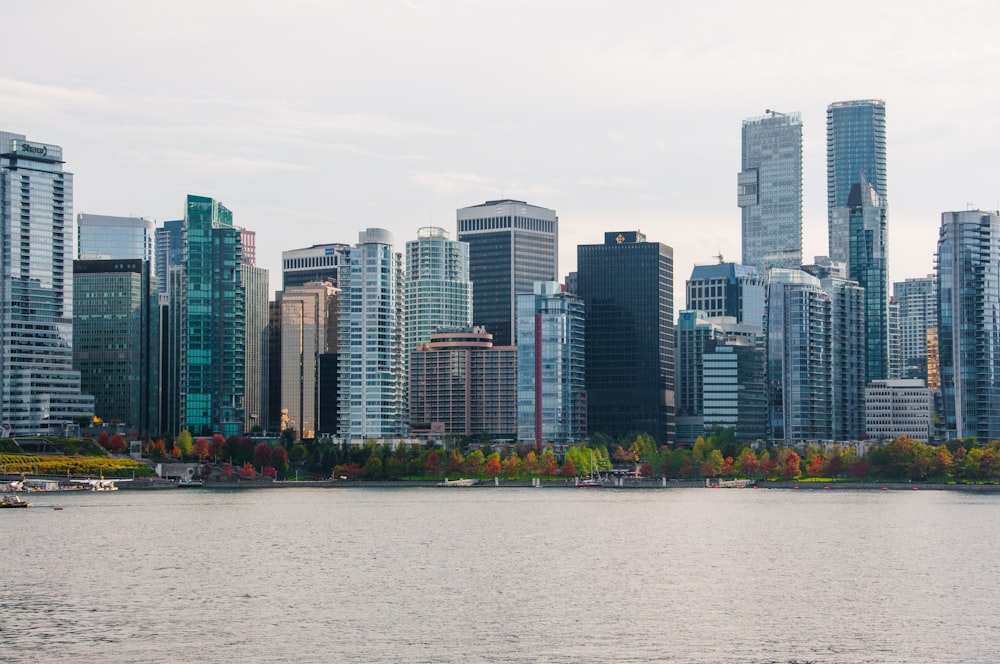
x=11, y=500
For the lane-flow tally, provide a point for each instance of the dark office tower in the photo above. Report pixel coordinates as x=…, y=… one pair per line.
x=627, y=285
x=511, y=246
x=116, y=318
x=769, y=191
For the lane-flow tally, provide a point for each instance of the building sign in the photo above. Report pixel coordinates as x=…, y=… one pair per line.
x=40, y=151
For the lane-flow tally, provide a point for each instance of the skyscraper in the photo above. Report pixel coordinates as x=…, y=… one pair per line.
x=371, y=339
x=799, y=358
x=102, y=236
x=627, y=286
x=39, y=389
x=858, y=237
x=438, y=290
x=917, y=299
x=308, y=332
x=551, y=397
x=256, y=293
x=511, y=246
x=694, y=331
x=769, y=191
x=968, y=287
x=855, y=148
x=213, y=326
x=169, y=247
x=320, y=262
x=116, y=317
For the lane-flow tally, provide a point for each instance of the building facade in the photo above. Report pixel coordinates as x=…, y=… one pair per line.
x=895, y=408
x=734, y=388
x=257, y=291
x=308, y=332
x=39, y=389
x=461, y=384
x=626, y=285
x=917, y=298
x=318, y=263
x=116, y=340
x=728, y=289
x=855, y=148
x=102, y=237
x=438, y=289
x=694, y=332
x=798, y=331
x=214, y=322
x=968, y=289
x=769, y=191
x=551, y=396
x=372, y=373
x=511, y=246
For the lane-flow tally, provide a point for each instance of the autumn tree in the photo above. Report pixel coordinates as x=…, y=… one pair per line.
x=184, y=443
x=261, y=454
x=117, y=443
x=512, y=466
x=815, y=466
x=791, y=466
x=201, y=448
x=217, y=445
x=104, y=439
x=568, y=469
x=726, y=469
x=248, y=471
x=474, y=462
x=748, y=463
x=432, y=464
x=492, y=468
x=278, y=459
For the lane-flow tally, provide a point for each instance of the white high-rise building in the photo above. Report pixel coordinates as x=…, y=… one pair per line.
x=39, y=390
x=438, y=290
x=917, y=300
x=372, y=403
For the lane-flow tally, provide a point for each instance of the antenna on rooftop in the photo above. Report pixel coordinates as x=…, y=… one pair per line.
x=719, y=257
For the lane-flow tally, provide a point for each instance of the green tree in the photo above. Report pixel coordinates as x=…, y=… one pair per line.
x=184, y=443
x=373, y=468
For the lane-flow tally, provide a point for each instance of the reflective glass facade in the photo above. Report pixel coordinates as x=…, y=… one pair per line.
x=734, y=389
x=511, y=246
x=372, y=373
x=627, y=287
x=101, y=237
x=257, y=291
x=551, y=399
x=169, y=248
x=769, y=191
x=799, y=358
x=308, y=332
x=968, y=290
x=39, y=389
x=727, y=289
x=855, y=147
x=116, y=340
x=214, y=325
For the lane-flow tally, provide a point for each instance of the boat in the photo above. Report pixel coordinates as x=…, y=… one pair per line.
x=11, y=500
x=459, y=482
x=592, y=481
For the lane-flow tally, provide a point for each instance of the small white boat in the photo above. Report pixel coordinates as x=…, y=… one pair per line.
x=10, y=500
x=459, y=482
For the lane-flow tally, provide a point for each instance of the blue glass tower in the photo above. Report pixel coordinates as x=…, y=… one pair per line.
x=855, y=148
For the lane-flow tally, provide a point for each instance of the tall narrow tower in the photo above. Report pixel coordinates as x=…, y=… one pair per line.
x=39, y=390
x=769, y=191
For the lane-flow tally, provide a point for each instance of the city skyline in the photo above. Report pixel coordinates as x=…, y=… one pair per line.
x=395, y=116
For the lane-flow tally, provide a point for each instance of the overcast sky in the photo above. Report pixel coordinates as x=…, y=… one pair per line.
x=315, y=120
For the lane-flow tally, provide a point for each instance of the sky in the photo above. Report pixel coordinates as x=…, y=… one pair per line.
x=313, y=121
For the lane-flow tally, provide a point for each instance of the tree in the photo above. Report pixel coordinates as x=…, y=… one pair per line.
x=432, y=464
x=748, y=463
x=278, y=459
x=568, y=469
x=248, y=471
x=492, y=468
x=201, y=448
x=726, y=469
x=792, y=464
x=815, y=466
x=217, y=445
x=512, y=464
x=474, y=462
x=117, y=443
x=373, y=468
x=645, y=470
x=184, y=443
x=104, y=439
x=859, y=470
x=261, y=454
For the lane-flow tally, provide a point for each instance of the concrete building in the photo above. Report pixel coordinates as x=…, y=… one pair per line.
x=895, y=408
x=917, y=300
x=551, y=396
x=728, y=289
x=460, y=383
x=318, y=263
x=39, y=388
x=511, y=246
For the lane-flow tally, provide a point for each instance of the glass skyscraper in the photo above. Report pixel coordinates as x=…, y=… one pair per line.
x=855, y=148
x=371, y=339
x=116, y=329
x=769, y=191
x=308, y=332
x=511, y=246
x=627, y=286
x=727, y=289
x=39, y=389
x=101, y=236
x=917, y=298
x=213, y=321
x=968, y=290
x=551, y=398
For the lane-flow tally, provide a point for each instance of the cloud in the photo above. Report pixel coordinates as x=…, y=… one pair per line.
x=33, y=98
x=451, y=182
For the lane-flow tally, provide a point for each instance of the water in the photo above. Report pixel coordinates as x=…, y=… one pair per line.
x=501, y=575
